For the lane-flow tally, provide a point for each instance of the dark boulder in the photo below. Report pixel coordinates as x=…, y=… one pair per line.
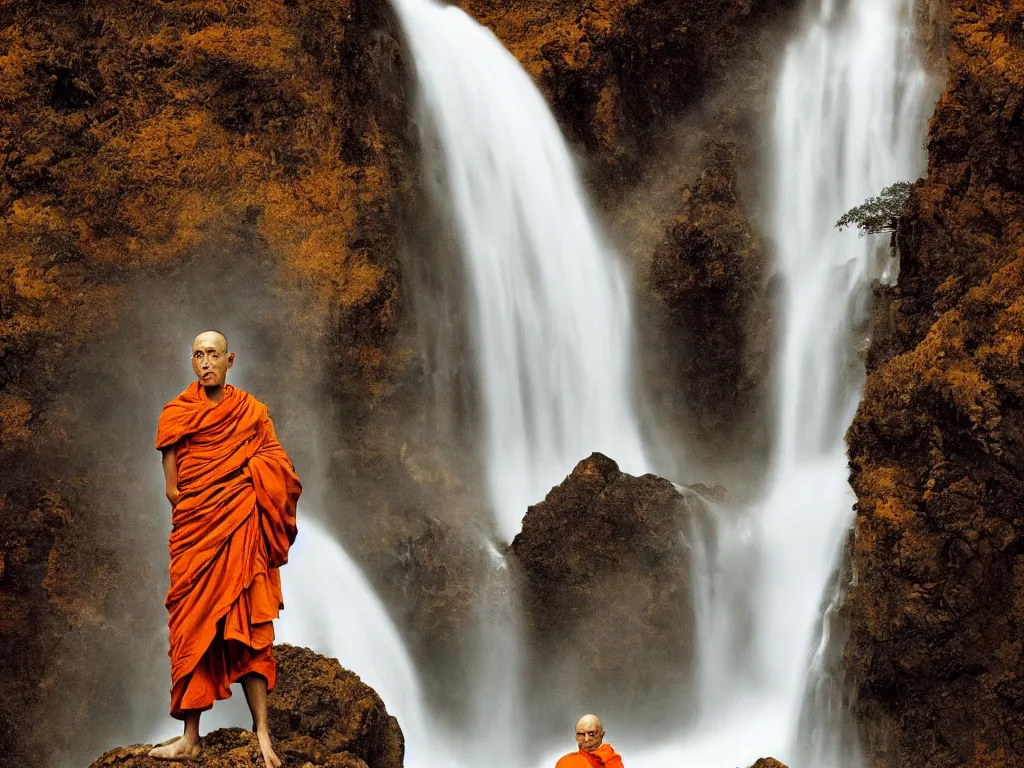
x=321, y=715
x=605, y=569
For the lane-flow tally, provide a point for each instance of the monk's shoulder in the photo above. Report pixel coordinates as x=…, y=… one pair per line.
x=612, y=759
x=188, y=397
x=176, y=415
x=572, y=760
x=242, y=397
x=249, y=402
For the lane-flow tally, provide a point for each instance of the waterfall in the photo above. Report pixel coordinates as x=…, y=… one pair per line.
x=849, y=120
x=331, y=608
x=849, y=116
x=551, y=326
x=551, y=330
x=550, y=319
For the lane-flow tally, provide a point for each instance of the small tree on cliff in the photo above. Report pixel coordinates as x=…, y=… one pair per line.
x=878, y=214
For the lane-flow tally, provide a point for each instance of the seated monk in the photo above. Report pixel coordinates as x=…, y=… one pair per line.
x=593, y=752
x=233, y=493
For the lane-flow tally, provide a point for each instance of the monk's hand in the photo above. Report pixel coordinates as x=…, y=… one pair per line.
x=172, y=496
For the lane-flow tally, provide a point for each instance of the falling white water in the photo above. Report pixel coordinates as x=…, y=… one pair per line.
x=848, y=122
x=551, y=310
x=331, y=608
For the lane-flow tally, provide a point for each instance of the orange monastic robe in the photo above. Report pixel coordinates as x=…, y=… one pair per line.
x=602, y=757
x=230, y=532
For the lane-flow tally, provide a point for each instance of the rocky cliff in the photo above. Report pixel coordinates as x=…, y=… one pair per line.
x=709, y=273
x=937, y=447
x=320, y=715
x=165, y=164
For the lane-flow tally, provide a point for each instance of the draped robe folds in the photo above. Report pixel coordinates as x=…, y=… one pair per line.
x=230, y=532
x=602, y=757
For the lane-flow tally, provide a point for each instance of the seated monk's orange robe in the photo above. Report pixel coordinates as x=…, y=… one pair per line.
x=230, y=532
x=602, y=757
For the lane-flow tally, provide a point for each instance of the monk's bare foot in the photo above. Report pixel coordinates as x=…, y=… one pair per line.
x=270, y=757
x=182, y=748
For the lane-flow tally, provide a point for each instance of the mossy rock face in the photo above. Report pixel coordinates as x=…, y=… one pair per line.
x=936, y=449
x=320, y=715
x=166, y=163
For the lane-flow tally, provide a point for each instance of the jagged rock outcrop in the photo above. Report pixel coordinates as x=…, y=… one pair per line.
x=320, y=714
x=607, y=594
x=709, y=273
x=768, y=762
x=163, y=164
x=617, y=71
x=937, y=447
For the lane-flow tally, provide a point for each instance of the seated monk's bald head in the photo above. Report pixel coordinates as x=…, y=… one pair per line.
x=589, y=733
x=211, y=359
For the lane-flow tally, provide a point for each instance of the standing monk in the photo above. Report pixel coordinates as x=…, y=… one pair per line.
x=233, y=492
x=593, y=752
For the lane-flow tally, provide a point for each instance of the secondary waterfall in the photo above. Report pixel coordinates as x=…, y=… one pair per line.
x=551, y=309
x=850, y=118
x=848, y=121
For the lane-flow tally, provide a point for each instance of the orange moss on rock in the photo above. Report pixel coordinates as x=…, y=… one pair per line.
x=938, y=442
x=134, y=136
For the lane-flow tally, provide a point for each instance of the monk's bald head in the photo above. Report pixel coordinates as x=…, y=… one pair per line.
x=207, y=338
x=211, y=360
x=589, y=733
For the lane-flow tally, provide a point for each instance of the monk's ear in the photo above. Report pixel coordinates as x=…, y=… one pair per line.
x=231, y=359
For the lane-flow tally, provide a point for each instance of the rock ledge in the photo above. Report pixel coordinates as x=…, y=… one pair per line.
x=321, y=715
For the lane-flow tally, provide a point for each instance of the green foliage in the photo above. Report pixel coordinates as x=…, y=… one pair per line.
x=878, y=214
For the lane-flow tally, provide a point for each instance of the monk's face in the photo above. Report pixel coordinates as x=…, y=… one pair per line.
x=211, y=359
x=589, y=733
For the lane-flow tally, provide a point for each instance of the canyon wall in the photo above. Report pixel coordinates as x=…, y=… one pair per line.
x=167, y=166
x=937, y=447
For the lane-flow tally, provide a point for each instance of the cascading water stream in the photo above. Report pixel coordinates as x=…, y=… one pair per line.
x=357, y=629
x=848, y=121
x=551, y=309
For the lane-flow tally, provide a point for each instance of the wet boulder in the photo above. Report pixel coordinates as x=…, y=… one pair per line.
x=605, y=569
x=321, y=716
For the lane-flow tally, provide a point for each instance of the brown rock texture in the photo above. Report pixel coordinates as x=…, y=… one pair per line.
x=242, y=156
x=321, y=715
x=937, y=447
x=616, y=71
x=607, y=593
x=709, y=273
x=768, y=762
